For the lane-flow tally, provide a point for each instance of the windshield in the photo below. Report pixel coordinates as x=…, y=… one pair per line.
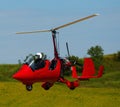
x=34, y=63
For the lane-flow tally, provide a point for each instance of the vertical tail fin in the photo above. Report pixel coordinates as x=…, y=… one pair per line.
x=88, y=68
x=74, y=72
x=100, y=72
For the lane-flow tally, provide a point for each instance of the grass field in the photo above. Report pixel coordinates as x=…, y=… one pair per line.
x=102, y=92
x=14, y=94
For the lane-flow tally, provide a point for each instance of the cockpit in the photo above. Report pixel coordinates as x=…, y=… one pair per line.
x=35, y=62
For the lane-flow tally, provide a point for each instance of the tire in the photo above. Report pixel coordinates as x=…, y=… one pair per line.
x=29, y=87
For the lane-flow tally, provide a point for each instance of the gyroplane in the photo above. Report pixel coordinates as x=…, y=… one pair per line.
x=37, y=68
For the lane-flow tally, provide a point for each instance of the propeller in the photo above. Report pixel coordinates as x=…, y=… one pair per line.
x=59, y=27
x=70, y=57
x=67, y=49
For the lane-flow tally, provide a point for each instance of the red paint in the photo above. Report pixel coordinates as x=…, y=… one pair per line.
x=88, y=70
x=28, y=76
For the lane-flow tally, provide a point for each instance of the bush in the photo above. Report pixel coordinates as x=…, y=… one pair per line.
x=117, y=56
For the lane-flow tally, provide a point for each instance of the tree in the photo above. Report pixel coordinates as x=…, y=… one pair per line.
x=96, y=54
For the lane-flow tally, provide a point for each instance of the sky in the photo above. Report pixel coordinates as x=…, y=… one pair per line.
x=30, y=15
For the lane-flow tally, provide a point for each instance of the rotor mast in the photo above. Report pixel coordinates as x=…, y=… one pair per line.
x=55, y=44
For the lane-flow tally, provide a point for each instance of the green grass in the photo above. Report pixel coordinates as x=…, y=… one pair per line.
x=108, y=80
x=13, y=94
x=110, y=63
x=102, y=92
x=7, y=70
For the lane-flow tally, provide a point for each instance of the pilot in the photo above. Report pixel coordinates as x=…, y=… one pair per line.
x=40, y=60
x=40, y=55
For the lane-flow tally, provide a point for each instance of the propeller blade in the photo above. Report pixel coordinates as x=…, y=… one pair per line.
x=67, y=49
x=37, y=31
x=76, y=21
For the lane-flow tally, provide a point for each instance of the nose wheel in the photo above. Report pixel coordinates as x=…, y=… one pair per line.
x=29, y=87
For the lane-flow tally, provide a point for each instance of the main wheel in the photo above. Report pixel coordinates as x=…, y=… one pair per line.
x=72, y=88
x=29, y=87
x=47, y=85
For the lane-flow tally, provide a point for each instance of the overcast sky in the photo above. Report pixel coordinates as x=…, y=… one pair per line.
x=29, y=15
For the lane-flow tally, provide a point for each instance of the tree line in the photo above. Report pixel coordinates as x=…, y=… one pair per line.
x=97, y=55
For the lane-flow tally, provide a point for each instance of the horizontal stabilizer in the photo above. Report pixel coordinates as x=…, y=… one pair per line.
x=88, y=70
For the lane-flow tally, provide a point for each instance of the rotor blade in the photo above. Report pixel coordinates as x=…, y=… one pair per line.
x=65, y=25
x=37, y=31
x=76, y=21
